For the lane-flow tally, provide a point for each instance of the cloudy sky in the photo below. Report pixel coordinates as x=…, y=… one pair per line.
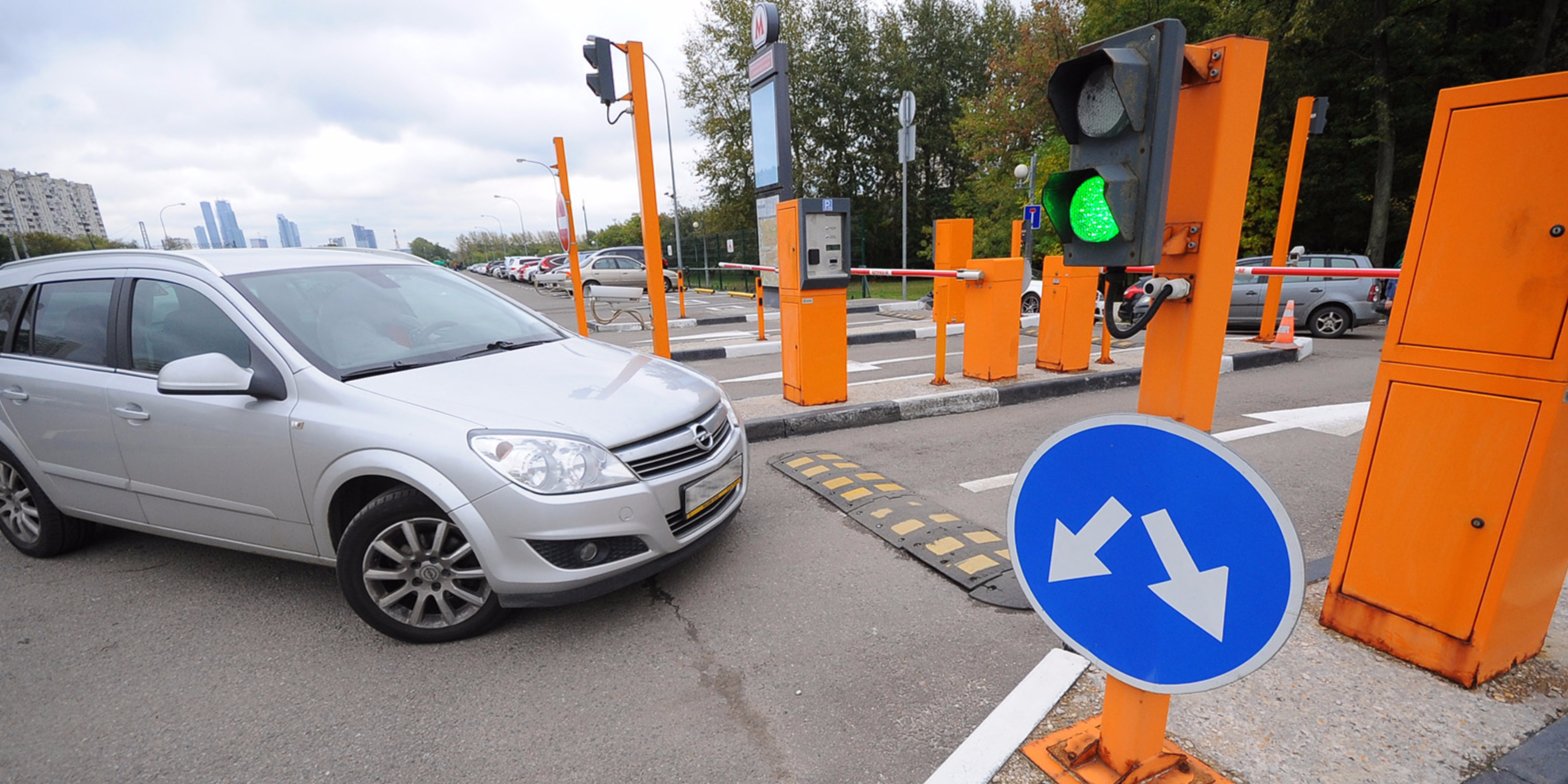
x=394, y=114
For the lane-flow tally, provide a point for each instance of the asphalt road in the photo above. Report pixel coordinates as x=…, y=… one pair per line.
x=798, y=648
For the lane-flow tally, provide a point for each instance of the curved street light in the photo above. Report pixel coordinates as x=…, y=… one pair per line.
x=669, y=139
x=165, y=227
x=520, y=226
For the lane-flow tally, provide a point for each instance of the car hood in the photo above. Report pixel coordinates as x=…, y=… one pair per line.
x=609, y=394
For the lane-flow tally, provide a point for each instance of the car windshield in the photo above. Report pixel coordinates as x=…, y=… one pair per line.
x=358, y=320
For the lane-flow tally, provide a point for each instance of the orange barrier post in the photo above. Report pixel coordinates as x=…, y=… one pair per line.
x=649, y=198
x=680, y=290
x=1287, y=215
x=1287, y=335
x=1066, y=316
x=571, y=238
x=1017, y=240
x=1453, y=549
x=991, y=324
x=1216, y=124
x=952, y=245
x=1105, y=336
x=762, y=330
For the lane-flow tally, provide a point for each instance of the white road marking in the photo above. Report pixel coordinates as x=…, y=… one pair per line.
x=986, y=749
x=1336, y=419
x=851, y=366
x=989, y=483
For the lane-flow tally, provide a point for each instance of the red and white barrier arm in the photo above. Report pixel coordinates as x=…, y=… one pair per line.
x=1302, y=272
x=877, y=272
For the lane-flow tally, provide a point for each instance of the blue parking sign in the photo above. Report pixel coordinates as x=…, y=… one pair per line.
x=1156, y=552
x=1032, y=216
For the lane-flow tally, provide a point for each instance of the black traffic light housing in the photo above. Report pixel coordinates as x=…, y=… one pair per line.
x=1115, y=103
x=601, y=80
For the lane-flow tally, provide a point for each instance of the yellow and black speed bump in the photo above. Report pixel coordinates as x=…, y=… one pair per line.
x=967, y=553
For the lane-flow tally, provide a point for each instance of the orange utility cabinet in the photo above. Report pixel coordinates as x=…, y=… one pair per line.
x=991, y=318
x=1066, y=316
x=1454, y=543
x=813, y=311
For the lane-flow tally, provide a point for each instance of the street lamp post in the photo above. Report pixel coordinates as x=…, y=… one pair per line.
x=1023, y=174
x=500, y=230
x=523, y=229
x=165, y=226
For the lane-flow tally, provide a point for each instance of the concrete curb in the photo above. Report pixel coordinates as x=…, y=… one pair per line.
x=979, y=399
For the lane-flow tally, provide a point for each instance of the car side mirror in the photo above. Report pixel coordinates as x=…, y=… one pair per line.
x=216, y=374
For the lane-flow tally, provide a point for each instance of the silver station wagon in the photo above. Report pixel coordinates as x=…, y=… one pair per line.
x=449, y=451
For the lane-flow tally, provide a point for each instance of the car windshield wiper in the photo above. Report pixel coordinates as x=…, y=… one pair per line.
x=376, y=370
x=506, y=345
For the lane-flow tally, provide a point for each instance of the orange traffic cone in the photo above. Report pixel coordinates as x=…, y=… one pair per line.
x=1286, y=334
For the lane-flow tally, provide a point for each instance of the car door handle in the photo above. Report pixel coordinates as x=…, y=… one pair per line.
x=1250, y=293
x=1318, y=290
x=13, y=393
x=132, y=412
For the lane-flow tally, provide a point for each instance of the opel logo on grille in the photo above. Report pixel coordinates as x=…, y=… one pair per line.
x=703, y=437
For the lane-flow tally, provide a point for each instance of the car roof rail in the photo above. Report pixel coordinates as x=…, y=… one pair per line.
x=167, y=255
x=383, y=252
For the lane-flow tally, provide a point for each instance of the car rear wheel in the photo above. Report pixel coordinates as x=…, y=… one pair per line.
x=29, y=520
x=410, y=573
x=1329, y=321
x=1031, y=303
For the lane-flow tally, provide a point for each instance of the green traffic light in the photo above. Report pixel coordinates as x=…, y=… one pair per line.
x=1090, y=213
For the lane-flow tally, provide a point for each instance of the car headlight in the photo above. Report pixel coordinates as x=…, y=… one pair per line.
x=550, y=465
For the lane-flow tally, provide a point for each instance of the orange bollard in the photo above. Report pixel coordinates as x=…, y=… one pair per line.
x=1105, y=335
x=952, y=246
x=762, y=331
x=939, y=298
x=1066, y=316
x=1286, y=336
x=991, y=325
x=680, y=290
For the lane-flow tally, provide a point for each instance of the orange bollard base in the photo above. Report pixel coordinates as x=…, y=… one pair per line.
x=1073, y=756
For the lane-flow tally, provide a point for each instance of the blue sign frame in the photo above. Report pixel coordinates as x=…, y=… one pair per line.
x=1179, y=569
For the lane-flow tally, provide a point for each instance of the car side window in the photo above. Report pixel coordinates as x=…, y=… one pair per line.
x=1334, y=263
x=10, y=301
x=70, y=321
x=170, y=321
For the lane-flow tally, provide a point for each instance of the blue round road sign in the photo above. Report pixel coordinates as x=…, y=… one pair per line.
x=1155, y=551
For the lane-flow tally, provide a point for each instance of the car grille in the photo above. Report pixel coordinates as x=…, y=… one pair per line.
x=563, y=552
x=684, y=452
x=679, y=525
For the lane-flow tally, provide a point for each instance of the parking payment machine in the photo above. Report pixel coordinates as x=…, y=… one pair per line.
x=813, y=280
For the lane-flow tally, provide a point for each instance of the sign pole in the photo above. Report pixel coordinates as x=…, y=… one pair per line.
x=571, y=238
x=906, y=153
x=1215, y=128
x=1287, y=217
x=652, y=247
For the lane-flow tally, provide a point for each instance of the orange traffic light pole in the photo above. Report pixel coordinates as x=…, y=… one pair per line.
x=1287, y=216
x=571, y=237
x=636, y=71
x=1216, y=125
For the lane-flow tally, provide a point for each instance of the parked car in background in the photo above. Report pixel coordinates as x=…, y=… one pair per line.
x=532, y=268
x=355, y=410
x=629, y=251
x=1326, y=306
x=514, y=266
x=604, y=269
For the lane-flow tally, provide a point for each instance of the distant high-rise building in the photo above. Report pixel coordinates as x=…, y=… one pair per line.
x=363, y=237
x=214, y=239
x=288, y=232
x=50, y=204
x=335, y=242
x=258, y=242
x=229, y=226
x=201, y=236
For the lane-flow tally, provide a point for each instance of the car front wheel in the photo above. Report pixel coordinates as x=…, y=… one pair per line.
x=1329, y=321
x=1031, y=303
x=410, y=573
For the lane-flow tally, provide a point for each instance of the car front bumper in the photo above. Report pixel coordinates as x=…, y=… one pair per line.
x=502, y=524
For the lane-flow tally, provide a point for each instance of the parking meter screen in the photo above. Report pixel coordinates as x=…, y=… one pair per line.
x=764, y=134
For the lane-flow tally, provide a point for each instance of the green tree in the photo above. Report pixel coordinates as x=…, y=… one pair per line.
x=42, y=243
x=427, y=250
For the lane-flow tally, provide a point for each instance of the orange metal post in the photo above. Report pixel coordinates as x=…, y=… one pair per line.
x=1066, y=316
x=952, y=244
x=813, y=324
x=680, y=290
x=1216, y=123
x=571, y=240
x=1287, y=217
x=649, y=192
x=1105, y=337
x=1452, y=550
x=1017, y=240
x=991, y=325
x=762, y=331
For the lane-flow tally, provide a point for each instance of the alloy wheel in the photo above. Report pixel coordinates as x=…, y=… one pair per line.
x=422, y=572
x=18, y=513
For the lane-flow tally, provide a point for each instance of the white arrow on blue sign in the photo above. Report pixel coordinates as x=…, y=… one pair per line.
x=1156, y=552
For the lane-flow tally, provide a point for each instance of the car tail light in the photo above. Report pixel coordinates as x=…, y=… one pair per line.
x=1372, y=293
x=1132, y=292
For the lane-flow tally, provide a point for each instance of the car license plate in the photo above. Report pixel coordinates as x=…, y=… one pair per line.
x=702, y=494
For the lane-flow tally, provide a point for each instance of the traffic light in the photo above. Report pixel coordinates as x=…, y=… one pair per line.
x=1115, y=104
x=601, y=80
